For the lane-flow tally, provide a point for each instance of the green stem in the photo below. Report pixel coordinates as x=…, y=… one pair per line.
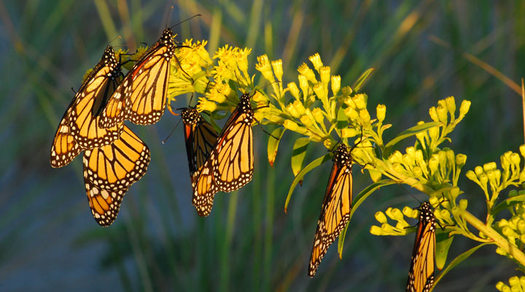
x=498, y=239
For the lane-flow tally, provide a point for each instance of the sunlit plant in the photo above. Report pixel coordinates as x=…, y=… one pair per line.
x=322, y=110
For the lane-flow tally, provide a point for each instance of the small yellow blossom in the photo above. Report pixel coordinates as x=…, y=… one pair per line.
x=335, y=82
x=316, y=61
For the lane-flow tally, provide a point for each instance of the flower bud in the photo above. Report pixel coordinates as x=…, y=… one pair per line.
x=336, y=84
x=315, y=59
x=277, y=66
x=380, y=112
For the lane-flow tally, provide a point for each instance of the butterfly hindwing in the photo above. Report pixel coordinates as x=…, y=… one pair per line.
x=335, y=212
x=110, y=170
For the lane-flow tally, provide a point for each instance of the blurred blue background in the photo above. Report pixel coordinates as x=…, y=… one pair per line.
x=49, y=240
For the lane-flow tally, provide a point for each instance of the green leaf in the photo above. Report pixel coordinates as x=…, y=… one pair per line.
x=359, y=199
x=457, y=261
x=442, y=247
x=298, y=154
x=505, y=204
x=302, y=173
x=273, y=144
x=408, y=133
x=361, y=81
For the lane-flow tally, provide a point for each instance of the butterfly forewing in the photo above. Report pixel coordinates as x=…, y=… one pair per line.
x=335, y=212
x=200, y=138
x=78, y=129
x=65, y=147
x=234, y=151
x=141, y=97
x=110, y=170
x=230, y=163
x=421, y=273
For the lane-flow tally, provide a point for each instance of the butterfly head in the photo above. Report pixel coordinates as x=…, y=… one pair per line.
x=190, y=116
x=245, y=107
x=426, y=213
x=167, y=37
x=110, y=60
x=341, y=155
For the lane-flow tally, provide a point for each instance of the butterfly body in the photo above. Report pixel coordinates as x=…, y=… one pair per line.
x=335, y=213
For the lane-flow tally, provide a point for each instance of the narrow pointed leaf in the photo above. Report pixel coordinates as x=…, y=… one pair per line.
x=273, y=144
x=442, y=247
x=361, y=81
x=298, y=154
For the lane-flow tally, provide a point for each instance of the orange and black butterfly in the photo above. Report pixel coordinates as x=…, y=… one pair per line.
x=110, y=170
x=141, y=97
x=79, y=128
x=230, y=164
x=337, y=204
x=200, y=138
x=421, y=273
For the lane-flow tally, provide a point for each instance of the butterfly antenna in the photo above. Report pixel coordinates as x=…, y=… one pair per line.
x=171, y=133
x=182, y=21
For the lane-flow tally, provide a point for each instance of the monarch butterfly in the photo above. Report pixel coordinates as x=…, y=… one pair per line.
x=79, y=129
x=141, y=97
x=200, y=138
x=337, y=203
x=230, y=164
x=421, y=273
x=110, y=170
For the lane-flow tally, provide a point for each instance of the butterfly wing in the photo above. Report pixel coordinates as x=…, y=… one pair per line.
x=79, y=128
x=421, y=273
x=110, y=170
x=335, y=212
x=234, y=150
x=141, y=97
x=65, y=147
x=200, y=138
x=204, y=187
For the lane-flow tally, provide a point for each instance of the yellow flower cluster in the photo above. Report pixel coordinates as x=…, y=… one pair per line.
x=189, y=71
x=514, y=228
x=493, y=180
x=400, y=228
x=441, y=213
x=515, y=284
x=443, y=114
x=317, y=101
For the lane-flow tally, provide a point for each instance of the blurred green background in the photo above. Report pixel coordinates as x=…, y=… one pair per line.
x=49, y=241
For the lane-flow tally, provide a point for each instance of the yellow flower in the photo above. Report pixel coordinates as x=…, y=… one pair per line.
x=277, y=66
x=263, y=66
x=335, y=82
x=316, y=61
